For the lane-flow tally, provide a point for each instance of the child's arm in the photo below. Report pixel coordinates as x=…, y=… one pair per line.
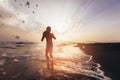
x=53, y=36
x=43, y=36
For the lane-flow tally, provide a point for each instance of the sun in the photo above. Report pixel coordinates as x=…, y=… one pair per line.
x=60, y=29
x=60, y=32
x=60, y=36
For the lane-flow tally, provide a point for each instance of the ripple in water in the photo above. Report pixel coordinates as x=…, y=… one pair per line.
x=70, y=63
x=72, y=60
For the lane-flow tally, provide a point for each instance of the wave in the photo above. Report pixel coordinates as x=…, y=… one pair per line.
x=70, y=63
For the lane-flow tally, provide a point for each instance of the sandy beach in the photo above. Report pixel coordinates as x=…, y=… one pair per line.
x=107, y=54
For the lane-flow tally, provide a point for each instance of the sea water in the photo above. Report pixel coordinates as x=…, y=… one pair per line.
x=69, y=62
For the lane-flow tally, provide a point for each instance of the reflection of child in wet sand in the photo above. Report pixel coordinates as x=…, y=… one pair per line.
x=49, y=46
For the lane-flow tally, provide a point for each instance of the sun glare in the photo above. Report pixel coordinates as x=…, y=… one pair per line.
x=60, y=29
x=67, y=51
x=60, y=36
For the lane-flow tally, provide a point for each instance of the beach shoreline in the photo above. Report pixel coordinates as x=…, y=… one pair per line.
x=107, y=54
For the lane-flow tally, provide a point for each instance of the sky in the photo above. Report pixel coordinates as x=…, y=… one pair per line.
x=70, y=20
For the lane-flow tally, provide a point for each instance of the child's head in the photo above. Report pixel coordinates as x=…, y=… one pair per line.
x=48, y=28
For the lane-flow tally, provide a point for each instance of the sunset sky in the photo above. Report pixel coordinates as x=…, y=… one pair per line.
x=71, y=20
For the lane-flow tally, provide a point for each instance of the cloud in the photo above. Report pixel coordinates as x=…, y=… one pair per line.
x=13, y=24
x=81, y=18
x=5, y=14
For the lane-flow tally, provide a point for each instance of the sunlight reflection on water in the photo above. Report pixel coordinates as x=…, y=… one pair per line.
x=67, y=51
x=67, y=58
x=71, y=59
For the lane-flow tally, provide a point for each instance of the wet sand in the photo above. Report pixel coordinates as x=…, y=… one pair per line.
x=27, y=62
x=36, y=70
x=107, y=54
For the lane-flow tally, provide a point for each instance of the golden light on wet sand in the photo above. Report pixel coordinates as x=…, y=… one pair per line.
x=67, y=51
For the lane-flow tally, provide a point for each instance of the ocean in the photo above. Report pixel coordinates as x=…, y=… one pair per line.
x=26, y=61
